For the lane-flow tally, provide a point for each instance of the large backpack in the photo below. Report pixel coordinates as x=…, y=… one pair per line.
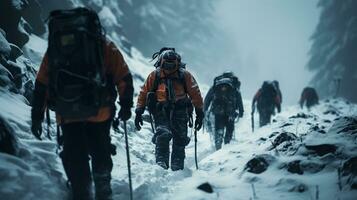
x=267, y=96
x=224, y=99
x=77, y=83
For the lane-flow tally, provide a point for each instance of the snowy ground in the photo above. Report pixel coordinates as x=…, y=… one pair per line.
x=36, y=173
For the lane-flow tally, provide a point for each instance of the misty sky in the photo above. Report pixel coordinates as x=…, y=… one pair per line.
x=269, y=39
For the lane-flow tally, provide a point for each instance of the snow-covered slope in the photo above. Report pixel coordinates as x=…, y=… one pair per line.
x=302, y=155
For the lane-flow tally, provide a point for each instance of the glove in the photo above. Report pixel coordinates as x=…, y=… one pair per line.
x=199, y=118
x=36, y=128
x=124, y=114
x=139, y=118
x=240, y=115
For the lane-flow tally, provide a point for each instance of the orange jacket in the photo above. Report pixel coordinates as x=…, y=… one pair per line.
x=115, y=67
x=193, y=90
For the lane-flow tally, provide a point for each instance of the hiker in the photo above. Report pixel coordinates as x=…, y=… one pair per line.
x=80, y=85
x=170, y=92
x=309, y=95
x=278, y=91
x=267, y=99
x=226, y=104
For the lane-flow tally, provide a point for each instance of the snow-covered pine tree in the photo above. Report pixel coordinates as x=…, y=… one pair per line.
x=333, y=53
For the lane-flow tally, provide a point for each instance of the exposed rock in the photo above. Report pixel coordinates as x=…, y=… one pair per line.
x=301, y=115
x=322, y=149
x=259, y=163
x=284, y=137
x=206, y=187
x=311, y=167
x=15, y=52
x=5, y=48
x=294, y=167
x=286, y=124
x=8, y=142
x=291, y=185
x=349, y=172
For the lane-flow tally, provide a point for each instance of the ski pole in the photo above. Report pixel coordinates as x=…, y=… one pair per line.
x=128, y=160
x=48, y=123
x=196, y=149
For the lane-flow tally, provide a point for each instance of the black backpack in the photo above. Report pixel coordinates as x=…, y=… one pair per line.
x=77, y=83
x=267, y=96
x=224, y=99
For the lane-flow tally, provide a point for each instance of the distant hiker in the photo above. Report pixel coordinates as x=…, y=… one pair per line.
x=267, y=98
x=309, y=95
x=78, y=79
x=225, y=102
x=168, y=93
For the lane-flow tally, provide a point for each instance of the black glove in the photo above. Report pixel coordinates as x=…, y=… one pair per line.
x=139, y=118
x=36, y=128
x=240, y=115
x=124, y=114
x=199, y=118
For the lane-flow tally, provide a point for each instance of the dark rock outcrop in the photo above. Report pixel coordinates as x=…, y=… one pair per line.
x=259, y=163
x=8, y=142
x=206, y=187
x=322, y=149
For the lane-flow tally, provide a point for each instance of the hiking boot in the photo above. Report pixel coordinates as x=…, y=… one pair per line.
x=103, y=190
x=177, y=164
x=162, y=164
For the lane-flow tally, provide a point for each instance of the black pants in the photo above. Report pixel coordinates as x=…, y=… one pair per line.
x=84, y=141
x=223, y=122
x=265, y=116
x=169, y=127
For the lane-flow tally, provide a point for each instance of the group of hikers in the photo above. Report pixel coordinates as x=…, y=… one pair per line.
x=80, y=77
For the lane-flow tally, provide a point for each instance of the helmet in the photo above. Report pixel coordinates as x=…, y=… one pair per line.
x=169, y=59
x=228, y=74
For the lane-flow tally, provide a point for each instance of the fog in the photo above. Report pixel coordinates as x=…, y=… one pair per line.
x=266, y=40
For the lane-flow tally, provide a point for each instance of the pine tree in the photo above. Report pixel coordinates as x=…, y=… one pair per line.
x=333, y=53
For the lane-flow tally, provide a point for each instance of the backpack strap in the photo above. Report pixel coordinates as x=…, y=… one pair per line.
x=181, y=78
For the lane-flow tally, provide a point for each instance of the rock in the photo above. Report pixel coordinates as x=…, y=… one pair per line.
x=322, y=149
x=311, y=167
x=294, y=167
x=350, y=167
x=285, y=125
x=15, y=52
x=291, y=185
x=8, y=142
x=273, y=134
x=206, y=187
x=259, y=163
x=349, y=172
x=301, y=115
x=284, y=137
x=5, y=48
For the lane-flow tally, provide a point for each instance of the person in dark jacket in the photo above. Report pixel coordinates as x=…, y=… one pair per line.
x=88, y=137
x=225, y=101
x=309, y=97
x=173, y=89
x=267, y=99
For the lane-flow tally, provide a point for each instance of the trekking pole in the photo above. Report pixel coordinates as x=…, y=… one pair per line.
x=253, y=109
x=128, y=159
x=196, y=149
x=48, y=120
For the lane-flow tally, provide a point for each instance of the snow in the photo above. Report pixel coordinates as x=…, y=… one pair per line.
x=37, y=173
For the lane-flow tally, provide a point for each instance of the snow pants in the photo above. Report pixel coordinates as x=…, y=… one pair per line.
x=223, y=122
x=171, y=126
x=265, y=116
x=84, y=141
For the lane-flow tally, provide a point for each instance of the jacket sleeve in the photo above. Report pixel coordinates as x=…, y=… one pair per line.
x=40, y=92
x=193, y=91
x=141, y=103
x=256, y=96
x=208, y=99
x=122, y=77
x=239, y=103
